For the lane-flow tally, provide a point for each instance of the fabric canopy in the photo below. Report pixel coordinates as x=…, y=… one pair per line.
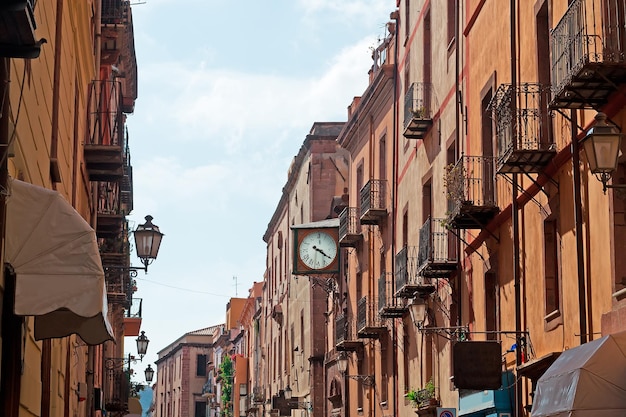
x=585, y=381
x=56, y=261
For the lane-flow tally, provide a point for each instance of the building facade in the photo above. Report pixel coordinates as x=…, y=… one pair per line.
x=182, y=371
x=70, y=77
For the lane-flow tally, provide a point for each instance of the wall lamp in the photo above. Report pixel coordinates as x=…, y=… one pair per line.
x=602, y=146
x=142, y=347
x=342, y=366
x=302, y=405
x=147, y=243
x=149, y=373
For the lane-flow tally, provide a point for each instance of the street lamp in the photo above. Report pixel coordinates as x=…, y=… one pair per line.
x=147, y=242
x=602, y=146
x=142, y=347
x=417, y=309
x=149, y=373
x=288, y=394
x=142, y=344
x=342, y=367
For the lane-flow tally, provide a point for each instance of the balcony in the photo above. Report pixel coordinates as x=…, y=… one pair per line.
x=117, y=391
x=111, y=213
x=470, y=188
x=368, y=323
x=525, y=142
x=105, y=145
x=349, y=227
x=17, y=30
x=258, y=395
x=345, y=338
x=374, y=202
x=418, y=110
x=588, y=54
x=437, y=256
x=390, y=306
x=132, y=319
x=408, y=283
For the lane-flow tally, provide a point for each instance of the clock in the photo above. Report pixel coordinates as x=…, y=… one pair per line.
x=316, y=251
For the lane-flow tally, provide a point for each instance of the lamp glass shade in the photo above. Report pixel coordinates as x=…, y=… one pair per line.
x=342, y=363
x=287, y=392
x=142, y=344
x=602, y=151
x=602, y=146
x=417, y=309
x=147, y=240
x=149, y=373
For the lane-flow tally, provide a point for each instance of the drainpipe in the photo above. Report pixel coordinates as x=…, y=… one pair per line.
x=92, y=353
x=394, y=199
x=578, y=219
x=515, y=218
x=54, y=139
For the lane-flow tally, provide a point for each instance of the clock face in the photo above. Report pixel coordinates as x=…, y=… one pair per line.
x=317, y=250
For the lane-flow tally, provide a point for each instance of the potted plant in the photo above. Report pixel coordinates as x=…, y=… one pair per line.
x=426, y=396
x=413, y=397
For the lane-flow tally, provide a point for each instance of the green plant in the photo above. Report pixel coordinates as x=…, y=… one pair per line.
x=419, y=112
x=226, y=373
x=453, y=181
x=412, y=396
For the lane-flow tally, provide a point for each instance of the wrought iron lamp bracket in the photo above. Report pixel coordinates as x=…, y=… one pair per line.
x=367, y=380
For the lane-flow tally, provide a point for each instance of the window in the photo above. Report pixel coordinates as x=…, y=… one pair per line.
x=201, y=365
x=407, y=20
x=551, y=265
x=451, y=21
x=200, y=409
x=492, y=305
x=619, y=225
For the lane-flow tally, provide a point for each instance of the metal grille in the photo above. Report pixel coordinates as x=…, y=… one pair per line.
x=386, y=297
x=436, y=244
x=373, y=196
x=591, y=31
x=418, y=102
x=344, y=329
x=530, y=121
x=349, y=223
x=106, y=123
x=471, y=181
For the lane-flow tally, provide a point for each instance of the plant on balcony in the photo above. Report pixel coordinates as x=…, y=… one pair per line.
x=423, y=397
x=419, y=112
x=412, y=396
x=427, y=394
x=453, y=180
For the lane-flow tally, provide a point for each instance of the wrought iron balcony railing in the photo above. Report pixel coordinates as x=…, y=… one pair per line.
x=117, y=390
x=345, y=334
x=408, y=282
x=368, y=323
x=105, y=146
x=525, y=141
x=437, y=255
x=470, y=188
x=419, y=109
x=373, y=201
x=389, y=304
x=349, y=227
x=588, y=48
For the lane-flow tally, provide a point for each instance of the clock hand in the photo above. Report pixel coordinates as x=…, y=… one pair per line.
x=320, y=251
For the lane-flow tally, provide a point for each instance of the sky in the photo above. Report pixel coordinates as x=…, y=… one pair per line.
x=228, y=91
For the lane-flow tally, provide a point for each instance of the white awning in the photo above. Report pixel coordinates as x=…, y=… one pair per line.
x=55, y=257
x=585, y=381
